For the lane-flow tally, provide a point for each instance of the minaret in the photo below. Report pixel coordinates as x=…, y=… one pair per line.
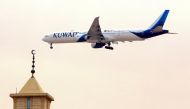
x=31, y=96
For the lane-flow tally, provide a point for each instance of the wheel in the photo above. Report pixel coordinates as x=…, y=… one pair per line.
x=108, y=47
x=51, y=47
x=111, y=48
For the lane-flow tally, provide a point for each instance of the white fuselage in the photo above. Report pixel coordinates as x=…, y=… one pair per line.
x=99, y=39
x=73, y=37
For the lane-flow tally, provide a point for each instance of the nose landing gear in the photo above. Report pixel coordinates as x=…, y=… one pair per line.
x=51, y=46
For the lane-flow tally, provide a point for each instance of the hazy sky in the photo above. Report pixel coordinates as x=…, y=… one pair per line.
x=152, y=74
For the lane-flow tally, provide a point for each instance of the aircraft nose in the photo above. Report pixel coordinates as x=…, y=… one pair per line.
x=45, y=38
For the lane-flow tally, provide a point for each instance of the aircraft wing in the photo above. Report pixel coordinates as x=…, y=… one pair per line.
x=95, y=33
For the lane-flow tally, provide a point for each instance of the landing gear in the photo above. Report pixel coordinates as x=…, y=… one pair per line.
x=51, y=47
x=109, y=46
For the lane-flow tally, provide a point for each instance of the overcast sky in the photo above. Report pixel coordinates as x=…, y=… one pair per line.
x=152, y=74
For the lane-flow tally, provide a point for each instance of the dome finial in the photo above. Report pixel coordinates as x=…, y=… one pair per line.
x=33, y=61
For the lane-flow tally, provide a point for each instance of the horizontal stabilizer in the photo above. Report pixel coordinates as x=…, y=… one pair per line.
x=172, y=33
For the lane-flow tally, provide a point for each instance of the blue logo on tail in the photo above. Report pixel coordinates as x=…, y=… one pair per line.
x=156, y=28
x=160, y=21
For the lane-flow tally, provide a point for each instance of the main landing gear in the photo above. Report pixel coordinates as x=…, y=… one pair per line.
x=109, y=46
x=51, y=46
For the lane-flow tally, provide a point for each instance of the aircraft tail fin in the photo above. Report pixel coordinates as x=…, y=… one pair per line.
x=157, y=26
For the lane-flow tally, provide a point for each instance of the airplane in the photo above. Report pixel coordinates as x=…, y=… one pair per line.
x=99, y=39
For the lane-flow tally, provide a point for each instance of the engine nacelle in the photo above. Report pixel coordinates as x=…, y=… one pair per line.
x=98, y=45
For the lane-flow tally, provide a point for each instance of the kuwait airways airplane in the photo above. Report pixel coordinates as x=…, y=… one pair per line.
x=100, y=39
